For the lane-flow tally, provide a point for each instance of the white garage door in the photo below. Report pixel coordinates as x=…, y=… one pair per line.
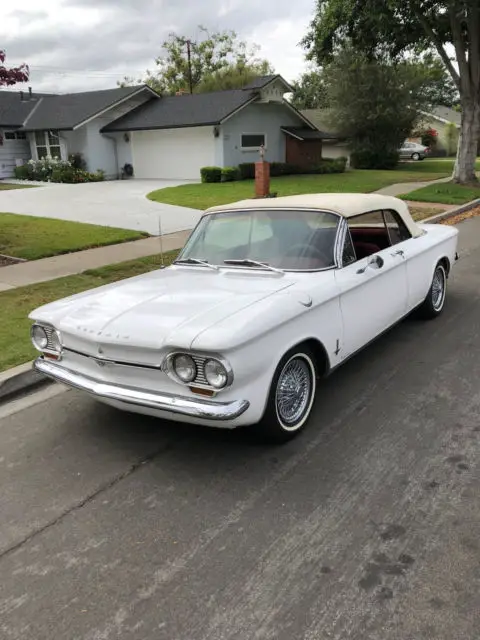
x=173, y=153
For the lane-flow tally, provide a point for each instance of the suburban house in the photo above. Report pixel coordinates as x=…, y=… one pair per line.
x=161, y=137
x=334, y=145
x=446, y=122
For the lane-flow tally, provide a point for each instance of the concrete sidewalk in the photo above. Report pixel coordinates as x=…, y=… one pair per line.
x=400, y=188
x=25, y=273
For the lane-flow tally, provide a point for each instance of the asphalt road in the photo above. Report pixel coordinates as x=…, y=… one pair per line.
x=366, y=527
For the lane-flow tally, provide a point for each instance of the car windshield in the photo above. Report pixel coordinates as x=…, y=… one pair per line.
x=282, y=239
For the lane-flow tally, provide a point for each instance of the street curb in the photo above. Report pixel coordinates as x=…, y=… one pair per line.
x=453, y=212
x=18, y=380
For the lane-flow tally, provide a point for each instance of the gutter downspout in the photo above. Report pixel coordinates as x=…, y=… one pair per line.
x=115, y=152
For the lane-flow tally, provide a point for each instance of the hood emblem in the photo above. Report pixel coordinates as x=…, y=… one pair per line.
x=100, y=350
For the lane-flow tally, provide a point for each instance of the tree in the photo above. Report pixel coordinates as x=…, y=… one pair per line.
x=234, y=76
x=218, y=60
x=9, y=77
x=394, y=29
x=310, y=92
x=438, y=87
x=374, y=104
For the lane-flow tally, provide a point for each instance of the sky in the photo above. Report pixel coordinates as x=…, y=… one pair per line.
x=77, y=45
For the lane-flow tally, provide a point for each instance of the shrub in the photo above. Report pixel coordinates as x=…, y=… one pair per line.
x=329, y=165
x=77, y=161
x=369, y=159
x=247, y=170
x=229, y=174
x=52, y=170
x=211, y=174
x=22, y=172
x=283, y=169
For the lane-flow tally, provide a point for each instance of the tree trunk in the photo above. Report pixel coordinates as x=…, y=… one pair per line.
x=464, y=171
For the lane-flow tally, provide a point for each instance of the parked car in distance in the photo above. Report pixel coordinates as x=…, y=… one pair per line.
x=413, y=151
x=267, y=297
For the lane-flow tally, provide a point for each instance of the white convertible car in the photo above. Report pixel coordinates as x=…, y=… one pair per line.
x=266, y=298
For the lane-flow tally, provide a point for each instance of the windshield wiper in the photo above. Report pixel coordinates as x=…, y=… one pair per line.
x=196, y=261
x=246, y=262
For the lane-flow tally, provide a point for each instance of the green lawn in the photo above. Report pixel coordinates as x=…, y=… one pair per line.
x=444, y=192
x=7, y=187
x=31, y=238
x=202, y=196
x=16, y=304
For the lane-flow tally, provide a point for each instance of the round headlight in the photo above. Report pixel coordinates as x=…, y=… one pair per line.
x=185, y=368
x=39, y=337
x=215, y=374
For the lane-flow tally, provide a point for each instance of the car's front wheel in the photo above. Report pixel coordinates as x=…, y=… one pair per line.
x=434, y=303
x=291, y=396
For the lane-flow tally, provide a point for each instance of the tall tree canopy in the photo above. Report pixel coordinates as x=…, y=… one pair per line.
x=373, y=104
x=10, y=76
x=391, y=29
x=433, y=82
x=218, y=60
x=310, y=92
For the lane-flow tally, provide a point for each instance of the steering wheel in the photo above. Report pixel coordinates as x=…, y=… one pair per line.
x=302, y=250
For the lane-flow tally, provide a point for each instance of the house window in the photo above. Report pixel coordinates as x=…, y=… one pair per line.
x=12, y=135
x=253, y=141
x=47, y=143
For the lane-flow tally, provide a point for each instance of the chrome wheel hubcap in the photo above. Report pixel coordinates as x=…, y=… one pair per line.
x=294, y=391
x=438, y=289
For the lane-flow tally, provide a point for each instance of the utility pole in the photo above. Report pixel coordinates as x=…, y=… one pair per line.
x=189, y=57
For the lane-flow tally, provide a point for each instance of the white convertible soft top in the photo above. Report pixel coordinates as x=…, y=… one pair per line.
x=344, y=204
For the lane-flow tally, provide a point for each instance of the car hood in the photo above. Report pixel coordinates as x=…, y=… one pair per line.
x=165, y=307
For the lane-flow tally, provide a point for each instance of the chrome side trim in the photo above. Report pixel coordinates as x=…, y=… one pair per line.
x=192, y=408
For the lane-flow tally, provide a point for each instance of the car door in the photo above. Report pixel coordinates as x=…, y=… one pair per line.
x=372, y=282
x=406, y=150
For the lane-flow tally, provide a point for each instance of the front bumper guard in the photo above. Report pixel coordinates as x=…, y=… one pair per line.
x=193, y=408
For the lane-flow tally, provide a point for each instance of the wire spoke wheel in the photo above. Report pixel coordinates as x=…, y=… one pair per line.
x=438, y=288
x=293, y=396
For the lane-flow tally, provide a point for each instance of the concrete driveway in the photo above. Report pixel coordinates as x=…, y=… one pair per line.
x=118, y=203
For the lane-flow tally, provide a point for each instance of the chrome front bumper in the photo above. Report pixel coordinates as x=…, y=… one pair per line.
x=204, y=409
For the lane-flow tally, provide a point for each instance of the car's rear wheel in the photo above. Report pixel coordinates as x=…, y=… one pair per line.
x=291, y=396
x=434, y=303
x=415, y=156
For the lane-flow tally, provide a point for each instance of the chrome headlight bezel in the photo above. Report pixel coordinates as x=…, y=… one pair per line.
x=51, y=344
x=200, y=380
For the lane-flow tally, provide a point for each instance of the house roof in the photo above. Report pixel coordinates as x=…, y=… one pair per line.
x=187, y=110
x=321, y=119
x=260, y=82
x=64, y=112
x=445, y=115
x=14, y=110
x=302, y=133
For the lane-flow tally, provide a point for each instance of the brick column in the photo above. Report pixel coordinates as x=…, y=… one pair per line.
x=262, y=179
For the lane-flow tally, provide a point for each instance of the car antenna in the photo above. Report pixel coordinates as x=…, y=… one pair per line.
x=161, y=240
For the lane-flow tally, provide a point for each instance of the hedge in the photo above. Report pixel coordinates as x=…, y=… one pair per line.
x=211, y=174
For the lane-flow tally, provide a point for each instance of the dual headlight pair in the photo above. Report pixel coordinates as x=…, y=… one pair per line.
x=182, y=365
x=186, y=370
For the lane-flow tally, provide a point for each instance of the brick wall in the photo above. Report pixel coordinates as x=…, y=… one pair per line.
x=304, y=153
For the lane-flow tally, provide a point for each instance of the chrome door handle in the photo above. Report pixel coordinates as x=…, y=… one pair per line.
x=399, y=253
